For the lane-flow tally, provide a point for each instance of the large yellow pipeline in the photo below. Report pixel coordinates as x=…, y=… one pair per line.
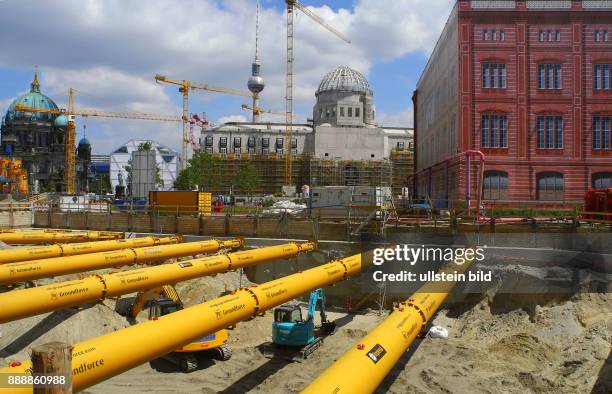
x=371, y=359
x=58, y=250
x=36, y=300
x=39, y=237
x=108, y=355
x=46, y=268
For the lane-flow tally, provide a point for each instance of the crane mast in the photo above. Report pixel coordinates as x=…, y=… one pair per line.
x=291, y=6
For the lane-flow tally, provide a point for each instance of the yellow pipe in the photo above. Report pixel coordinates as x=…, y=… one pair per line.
x=38, y=237
x=100, y=358
x=374, y=356
x=58, y=250
x=36, y=300
x=47, y=268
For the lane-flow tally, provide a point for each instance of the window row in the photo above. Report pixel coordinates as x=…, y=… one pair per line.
x=330, y=112
x=493, y=35
x=549, y=76
x=401, y=145
x=251, y=144
x=602, y=76
x=494, y=131
x=549, y=185
x=549, y=131
x=601, y=35
x=549, y=35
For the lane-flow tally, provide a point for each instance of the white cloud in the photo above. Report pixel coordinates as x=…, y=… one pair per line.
x=111, y=50
x=231, y=118
x=399, y=119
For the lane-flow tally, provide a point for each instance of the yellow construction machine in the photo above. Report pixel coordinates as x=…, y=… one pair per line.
x=165, y=300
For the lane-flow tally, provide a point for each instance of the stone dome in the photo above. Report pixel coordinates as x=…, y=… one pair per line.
x=34, y=98
x=344, y=79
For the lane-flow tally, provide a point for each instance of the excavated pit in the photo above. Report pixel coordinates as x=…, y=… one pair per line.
x=512, y=343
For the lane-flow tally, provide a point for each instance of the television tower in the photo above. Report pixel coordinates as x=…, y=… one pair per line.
x=256, y=82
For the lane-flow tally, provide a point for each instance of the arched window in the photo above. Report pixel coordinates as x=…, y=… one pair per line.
x=602, y=180
x=495, y=185
x=550, y=186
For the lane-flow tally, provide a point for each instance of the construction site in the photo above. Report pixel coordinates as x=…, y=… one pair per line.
x=335, y=255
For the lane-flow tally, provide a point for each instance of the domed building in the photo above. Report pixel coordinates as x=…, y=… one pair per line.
x=344, y=98
x=341, y=145
x=37, y=138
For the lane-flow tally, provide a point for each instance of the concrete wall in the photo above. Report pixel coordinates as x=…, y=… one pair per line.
x=252, y=226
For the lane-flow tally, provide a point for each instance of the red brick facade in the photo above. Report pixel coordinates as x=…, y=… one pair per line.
x=525, y=53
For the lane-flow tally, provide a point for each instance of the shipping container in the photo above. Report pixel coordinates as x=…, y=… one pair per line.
x=188, y=202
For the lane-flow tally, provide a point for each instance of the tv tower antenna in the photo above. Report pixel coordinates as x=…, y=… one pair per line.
x=256, y=83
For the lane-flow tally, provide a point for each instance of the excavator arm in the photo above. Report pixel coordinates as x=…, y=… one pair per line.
x=317, y=297
x=167, y=291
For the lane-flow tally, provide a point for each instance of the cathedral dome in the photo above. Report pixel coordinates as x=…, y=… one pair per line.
x=34, y=98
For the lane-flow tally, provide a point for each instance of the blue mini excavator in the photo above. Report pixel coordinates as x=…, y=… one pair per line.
x=295, y=338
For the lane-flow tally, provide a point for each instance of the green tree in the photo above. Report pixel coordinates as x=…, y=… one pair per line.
x=247, y=179
x=203, y=171
x=100, y=184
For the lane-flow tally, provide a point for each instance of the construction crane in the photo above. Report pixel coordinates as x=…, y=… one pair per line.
x=184, y=87
x=259, y=110
x=291, y=6
x=69, y=175
x=197, y=120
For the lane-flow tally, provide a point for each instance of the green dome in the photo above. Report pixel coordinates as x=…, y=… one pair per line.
x=32, y=99
x=61, y=121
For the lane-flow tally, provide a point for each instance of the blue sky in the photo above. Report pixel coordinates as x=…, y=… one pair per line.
x=111, y=60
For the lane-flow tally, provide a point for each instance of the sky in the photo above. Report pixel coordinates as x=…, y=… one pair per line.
x=110, y=51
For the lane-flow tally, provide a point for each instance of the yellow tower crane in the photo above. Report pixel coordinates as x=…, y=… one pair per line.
x=184, y=87
x=291, y=6
x=259, y=110
x=69, y=174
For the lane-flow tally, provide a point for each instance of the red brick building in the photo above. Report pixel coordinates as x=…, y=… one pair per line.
x=529, y=83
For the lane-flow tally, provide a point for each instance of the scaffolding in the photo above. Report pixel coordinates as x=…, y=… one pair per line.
x=402, y=161
x=350, y=173
x=308, y=170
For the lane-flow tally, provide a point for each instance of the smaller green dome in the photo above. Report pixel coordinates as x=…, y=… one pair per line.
x=61, y=121
x=84, y=141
